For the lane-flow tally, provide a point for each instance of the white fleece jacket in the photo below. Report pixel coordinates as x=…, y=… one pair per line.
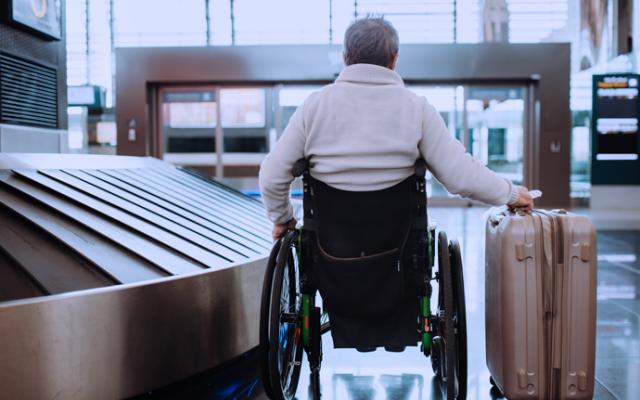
x=365, y=132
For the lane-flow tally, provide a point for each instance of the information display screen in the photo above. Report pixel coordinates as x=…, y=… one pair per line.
x=616, y=114
x=40, y=15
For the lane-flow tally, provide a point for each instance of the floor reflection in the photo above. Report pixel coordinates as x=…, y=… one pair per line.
x=349, y=375
x=400, y=387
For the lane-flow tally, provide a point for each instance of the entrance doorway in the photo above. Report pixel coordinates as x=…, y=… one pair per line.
x=226, y=131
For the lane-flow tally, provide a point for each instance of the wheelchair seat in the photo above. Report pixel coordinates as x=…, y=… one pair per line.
x=364, y=252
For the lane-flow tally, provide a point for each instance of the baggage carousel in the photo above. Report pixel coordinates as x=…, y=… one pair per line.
x=121, y=275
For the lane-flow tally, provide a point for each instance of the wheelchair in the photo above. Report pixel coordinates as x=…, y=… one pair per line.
x=371, y=256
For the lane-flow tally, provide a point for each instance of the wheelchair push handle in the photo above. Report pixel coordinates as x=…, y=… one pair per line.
x=420, y=168
x=300, y=167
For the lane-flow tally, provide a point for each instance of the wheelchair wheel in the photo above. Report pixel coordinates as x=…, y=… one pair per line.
x=460, y=317
x=264, y=318
x=284, y=346
x=444, y=355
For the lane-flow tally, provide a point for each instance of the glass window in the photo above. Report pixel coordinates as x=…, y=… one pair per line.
x=536, y=20
x=191, y=115
x=468, y=21
x=184, y=23
x=159, y=23
x=445, y=100
x=581, y=98
x=281, y=22
x=189, y=119
x=220, y=22
x=242, y=108
x=416, y=21
x=77, y=71
x=342, y=14
x=496, y=129
x=246, y=126
x=290, y=98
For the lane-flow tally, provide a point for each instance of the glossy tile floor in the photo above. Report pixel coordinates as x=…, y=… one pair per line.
x=347, y=374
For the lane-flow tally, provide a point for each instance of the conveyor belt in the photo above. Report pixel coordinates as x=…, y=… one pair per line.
x=105, y=226
x=121, y=275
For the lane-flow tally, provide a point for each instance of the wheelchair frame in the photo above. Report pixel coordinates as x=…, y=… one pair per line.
x=288, y=328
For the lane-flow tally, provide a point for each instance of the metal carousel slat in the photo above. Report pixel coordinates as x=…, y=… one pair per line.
x=210, y=187
x=211, y=192
x=188, y=249
x=160, y=255
x=123, y=267
x=180, y=205
x=171, y=212
x=128, y=205
x=15, y=282
x=219, y=206
x=214, y=198
x=210, y=182
x=56, y=268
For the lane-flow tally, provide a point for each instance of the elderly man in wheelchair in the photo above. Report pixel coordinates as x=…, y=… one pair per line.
x=362, y=146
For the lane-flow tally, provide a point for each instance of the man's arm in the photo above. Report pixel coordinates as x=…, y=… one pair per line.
x=457, y=170
x=275, y=172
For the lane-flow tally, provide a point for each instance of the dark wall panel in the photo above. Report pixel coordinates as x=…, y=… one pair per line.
x=23, y=44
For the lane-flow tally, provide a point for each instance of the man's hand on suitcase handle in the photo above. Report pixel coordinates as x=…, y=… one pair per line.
x=524, y=200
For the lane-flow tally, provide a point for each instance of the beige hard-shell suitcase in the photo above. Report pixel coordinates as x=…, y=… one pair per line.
x=540, y=304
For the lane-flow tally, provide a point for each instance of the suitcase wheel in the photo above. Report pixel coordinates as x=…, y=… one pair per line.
x=495, y=392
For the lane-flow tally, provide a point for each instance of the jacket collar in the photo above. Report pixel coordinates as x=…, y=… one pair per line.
x=369, y=74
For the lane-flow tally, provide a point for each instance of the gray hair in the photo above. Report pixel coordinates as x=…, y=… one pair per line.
x=370, y=41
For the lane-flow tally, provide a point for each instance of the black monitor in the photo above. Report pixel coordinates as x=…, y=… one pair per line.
x=616, y=129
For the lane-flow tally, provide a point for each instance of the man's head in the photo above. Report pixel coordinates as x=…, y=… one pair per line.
x=371, y=41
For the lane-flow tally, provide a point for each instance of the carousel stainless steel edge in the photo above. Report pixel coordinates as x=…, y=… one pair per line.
x=120, y=275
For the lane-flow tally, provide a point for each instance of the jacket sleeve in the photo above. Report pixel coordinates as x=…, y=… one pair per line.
x=275, y=172
x=456, y=169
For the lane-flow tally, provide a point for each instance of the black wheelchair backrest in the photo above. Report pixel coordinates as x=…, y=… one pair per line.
x=356, y=224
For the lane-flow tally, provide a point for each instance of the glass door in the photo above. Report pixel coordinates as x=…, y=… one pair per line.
x=211, y=128
x=188, y=130
x=495, y=118
x=449, y=102
x=488, y=120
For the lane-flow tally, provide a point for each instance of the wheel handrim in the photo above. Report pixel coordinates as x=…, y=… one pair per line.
x=285, y=352
x=445, y=321
x=460, y=322
x=289, y=333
